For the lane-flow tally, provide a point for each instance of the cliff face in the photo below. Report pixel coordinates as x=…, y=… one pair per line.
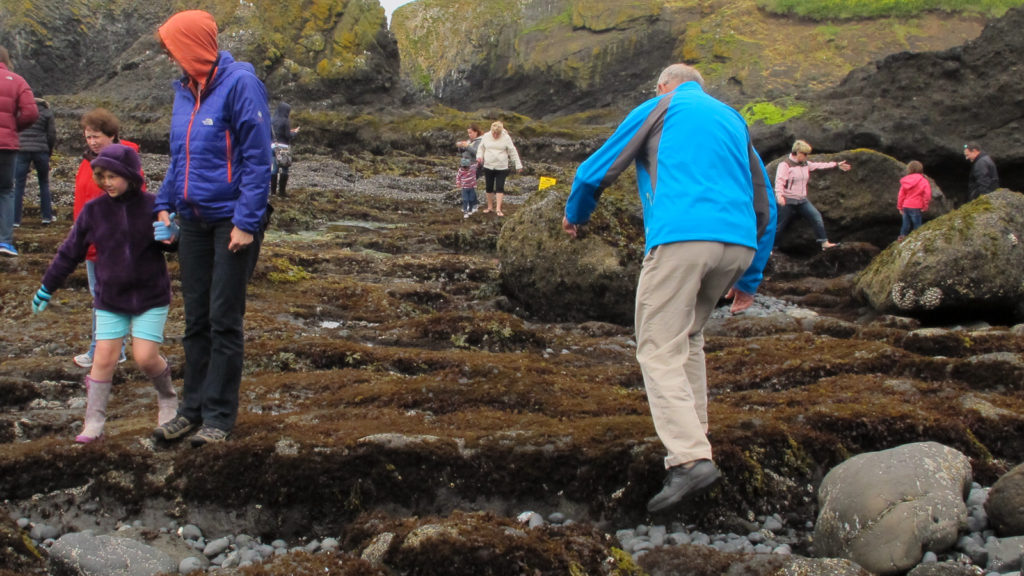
x=544, y=57
x=303, y=49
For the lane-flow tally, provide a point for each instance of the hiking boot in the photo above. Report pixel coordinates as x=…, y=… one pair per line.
x=174, y=430
x=683, y=481
x=8, y=249
x=209, y=435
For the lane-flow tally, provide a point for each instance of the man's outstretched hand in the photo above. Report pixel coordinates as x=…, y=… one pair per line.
x=740, y=300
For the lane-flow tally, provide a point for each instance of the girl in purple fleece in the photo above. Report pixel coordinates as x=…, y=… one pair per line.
x=133, y=289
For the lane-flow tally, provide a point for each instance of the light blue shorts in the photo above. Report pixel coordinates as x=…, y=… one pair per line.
x=148, y=326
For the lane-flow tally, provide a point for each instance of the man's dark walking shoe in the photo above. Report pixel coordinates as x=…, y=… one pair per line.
x=208, y=435
x=174, y=430
x=683, y=481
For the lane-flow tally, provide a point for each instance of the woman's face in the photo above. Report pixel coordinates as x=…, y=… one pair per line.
x=496, y=132
x=97, y=140
x=801, y=156
x=472, y=133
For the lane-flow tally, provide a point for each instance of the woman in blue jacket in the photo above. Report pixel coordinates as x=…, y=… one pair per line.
x=217, y=183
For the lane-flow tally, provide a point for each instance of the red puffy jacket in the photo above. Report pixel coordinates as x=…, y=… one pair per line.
x=17, y=108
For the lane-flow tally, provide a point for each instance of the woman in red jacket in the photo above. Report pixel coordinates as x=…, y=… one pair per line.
x=914, y=197
x=101, y=129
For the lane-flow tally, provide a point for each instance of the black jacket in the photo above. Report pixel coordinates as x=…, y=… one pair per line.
x=41, y=136
x=984, y=178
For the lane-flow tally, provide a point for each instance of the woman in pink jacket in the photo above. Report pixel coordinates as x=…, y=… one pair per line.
x=915, y=195
x=791, y=191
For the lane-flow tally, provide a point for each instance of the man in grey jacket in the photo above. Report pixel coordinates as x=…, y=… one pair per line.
x=35, y=147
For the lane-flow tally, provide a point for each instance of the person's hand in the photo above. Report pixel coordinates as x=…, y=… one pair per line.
x=844, y=166
x=165, y=230
x=40, y=300
x=740, y=300
x=239, y=239
x=570, y=229
x=780, y=200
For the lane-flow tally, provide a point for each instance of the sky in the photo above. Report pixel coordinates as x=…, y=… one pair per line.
x=390, y=5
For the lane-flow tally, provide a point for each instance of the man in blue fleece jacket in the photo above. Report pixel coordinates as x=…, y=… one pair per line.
x=707, y=208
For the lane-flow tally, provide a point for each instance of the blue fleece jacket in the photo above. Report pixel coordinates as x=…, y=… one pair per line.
x=698, y=175
x=220, y=149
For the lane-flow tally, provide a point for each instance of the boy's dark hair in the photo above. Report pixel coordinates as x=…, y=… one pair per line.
x=102, y=120
x=915, y=167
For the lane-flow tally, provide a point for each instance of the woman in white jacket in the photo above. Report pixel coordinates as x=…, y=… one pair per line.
x=496, y=153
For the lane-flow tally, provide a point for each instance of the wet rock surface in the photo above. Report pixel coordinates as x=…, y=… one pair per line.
x=392, y=387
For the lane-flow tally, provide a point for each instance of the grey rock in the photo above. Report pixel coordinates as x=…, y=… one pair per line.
x=191, y=532
x=329, y=545
x=1005, y=504
x=42, y=532
x=1005, y=554
x=279, y=543
x=657, y=535
x=216, y=547
x=773, y=524
x=85, y=555
x=312, y=546
x=942, y=569
x=678, y=538
x=190, y=564
x=884, y=510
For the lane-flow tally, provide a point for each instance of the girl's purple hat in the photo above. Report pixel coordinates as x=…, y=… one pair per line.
x=120, y=160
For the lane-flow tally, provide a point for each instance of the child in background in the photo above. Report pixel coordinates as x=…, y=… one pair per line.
x=133, y=288
x=914, y=197
x=466, y=181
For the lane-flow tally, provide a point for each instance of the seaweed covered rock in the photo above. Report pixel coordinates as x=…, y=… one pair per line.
x=971, y=260
x=885, y=509
x=590, y=278
x=859, y=205
x=1005, y=504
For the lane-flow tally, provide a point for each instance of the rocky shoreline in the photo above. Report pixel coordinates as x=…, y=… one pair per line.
x=392, y=388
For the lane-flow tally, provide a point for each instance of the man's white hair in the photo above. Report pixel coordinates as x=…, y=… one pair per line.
x=677, y=74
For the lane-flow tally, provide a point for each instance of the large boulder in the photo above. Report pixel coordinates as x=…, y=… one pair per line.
x=969, y=260
x=590, y=278
x=82, y=554
x=857, y=206
x=884, y=510
x=1005, y=504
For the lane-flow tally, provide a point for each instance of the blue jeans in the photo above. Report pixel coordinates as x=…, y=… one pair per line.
x=213, y=285
x=806, y=210
x=25, y=160
x=911, y=220
x=7, y=158
x=469, y=200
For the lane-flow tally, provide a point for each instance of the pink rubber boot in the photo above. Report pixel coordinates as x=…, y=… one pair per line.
x=167, y=398
x=97, y=394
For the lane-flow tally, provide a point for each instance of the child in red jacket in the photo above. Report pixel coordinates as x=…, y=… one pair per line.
x=914, y=197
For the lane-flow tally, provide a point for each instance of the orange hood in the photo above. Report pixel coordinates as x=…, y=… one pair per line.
x=191, y=38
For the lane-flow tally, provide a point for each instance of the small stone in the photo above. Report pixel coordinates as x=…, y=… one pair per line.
x=773, y=524
x=312, y=546
x=41, y=532
x=191, y=532
x=23, y=523
x=556, y=518
x=678, y=538
x=783, y=550
x=215, y=547
x=929, y=558
x=279, y=543
x=190, y=564
x=329, y=545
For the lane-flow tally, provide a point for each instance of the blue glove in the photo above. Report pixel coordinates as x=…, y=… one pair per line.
x=165, y=232
x=40, y=300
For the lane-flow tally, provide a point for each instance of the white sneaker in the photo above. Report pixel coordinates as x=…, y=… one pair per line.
x=466, y=214
x=84, y=360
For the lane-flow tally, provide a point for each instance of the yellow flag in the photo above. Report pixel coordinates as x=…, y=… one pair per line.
x=545, y=182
